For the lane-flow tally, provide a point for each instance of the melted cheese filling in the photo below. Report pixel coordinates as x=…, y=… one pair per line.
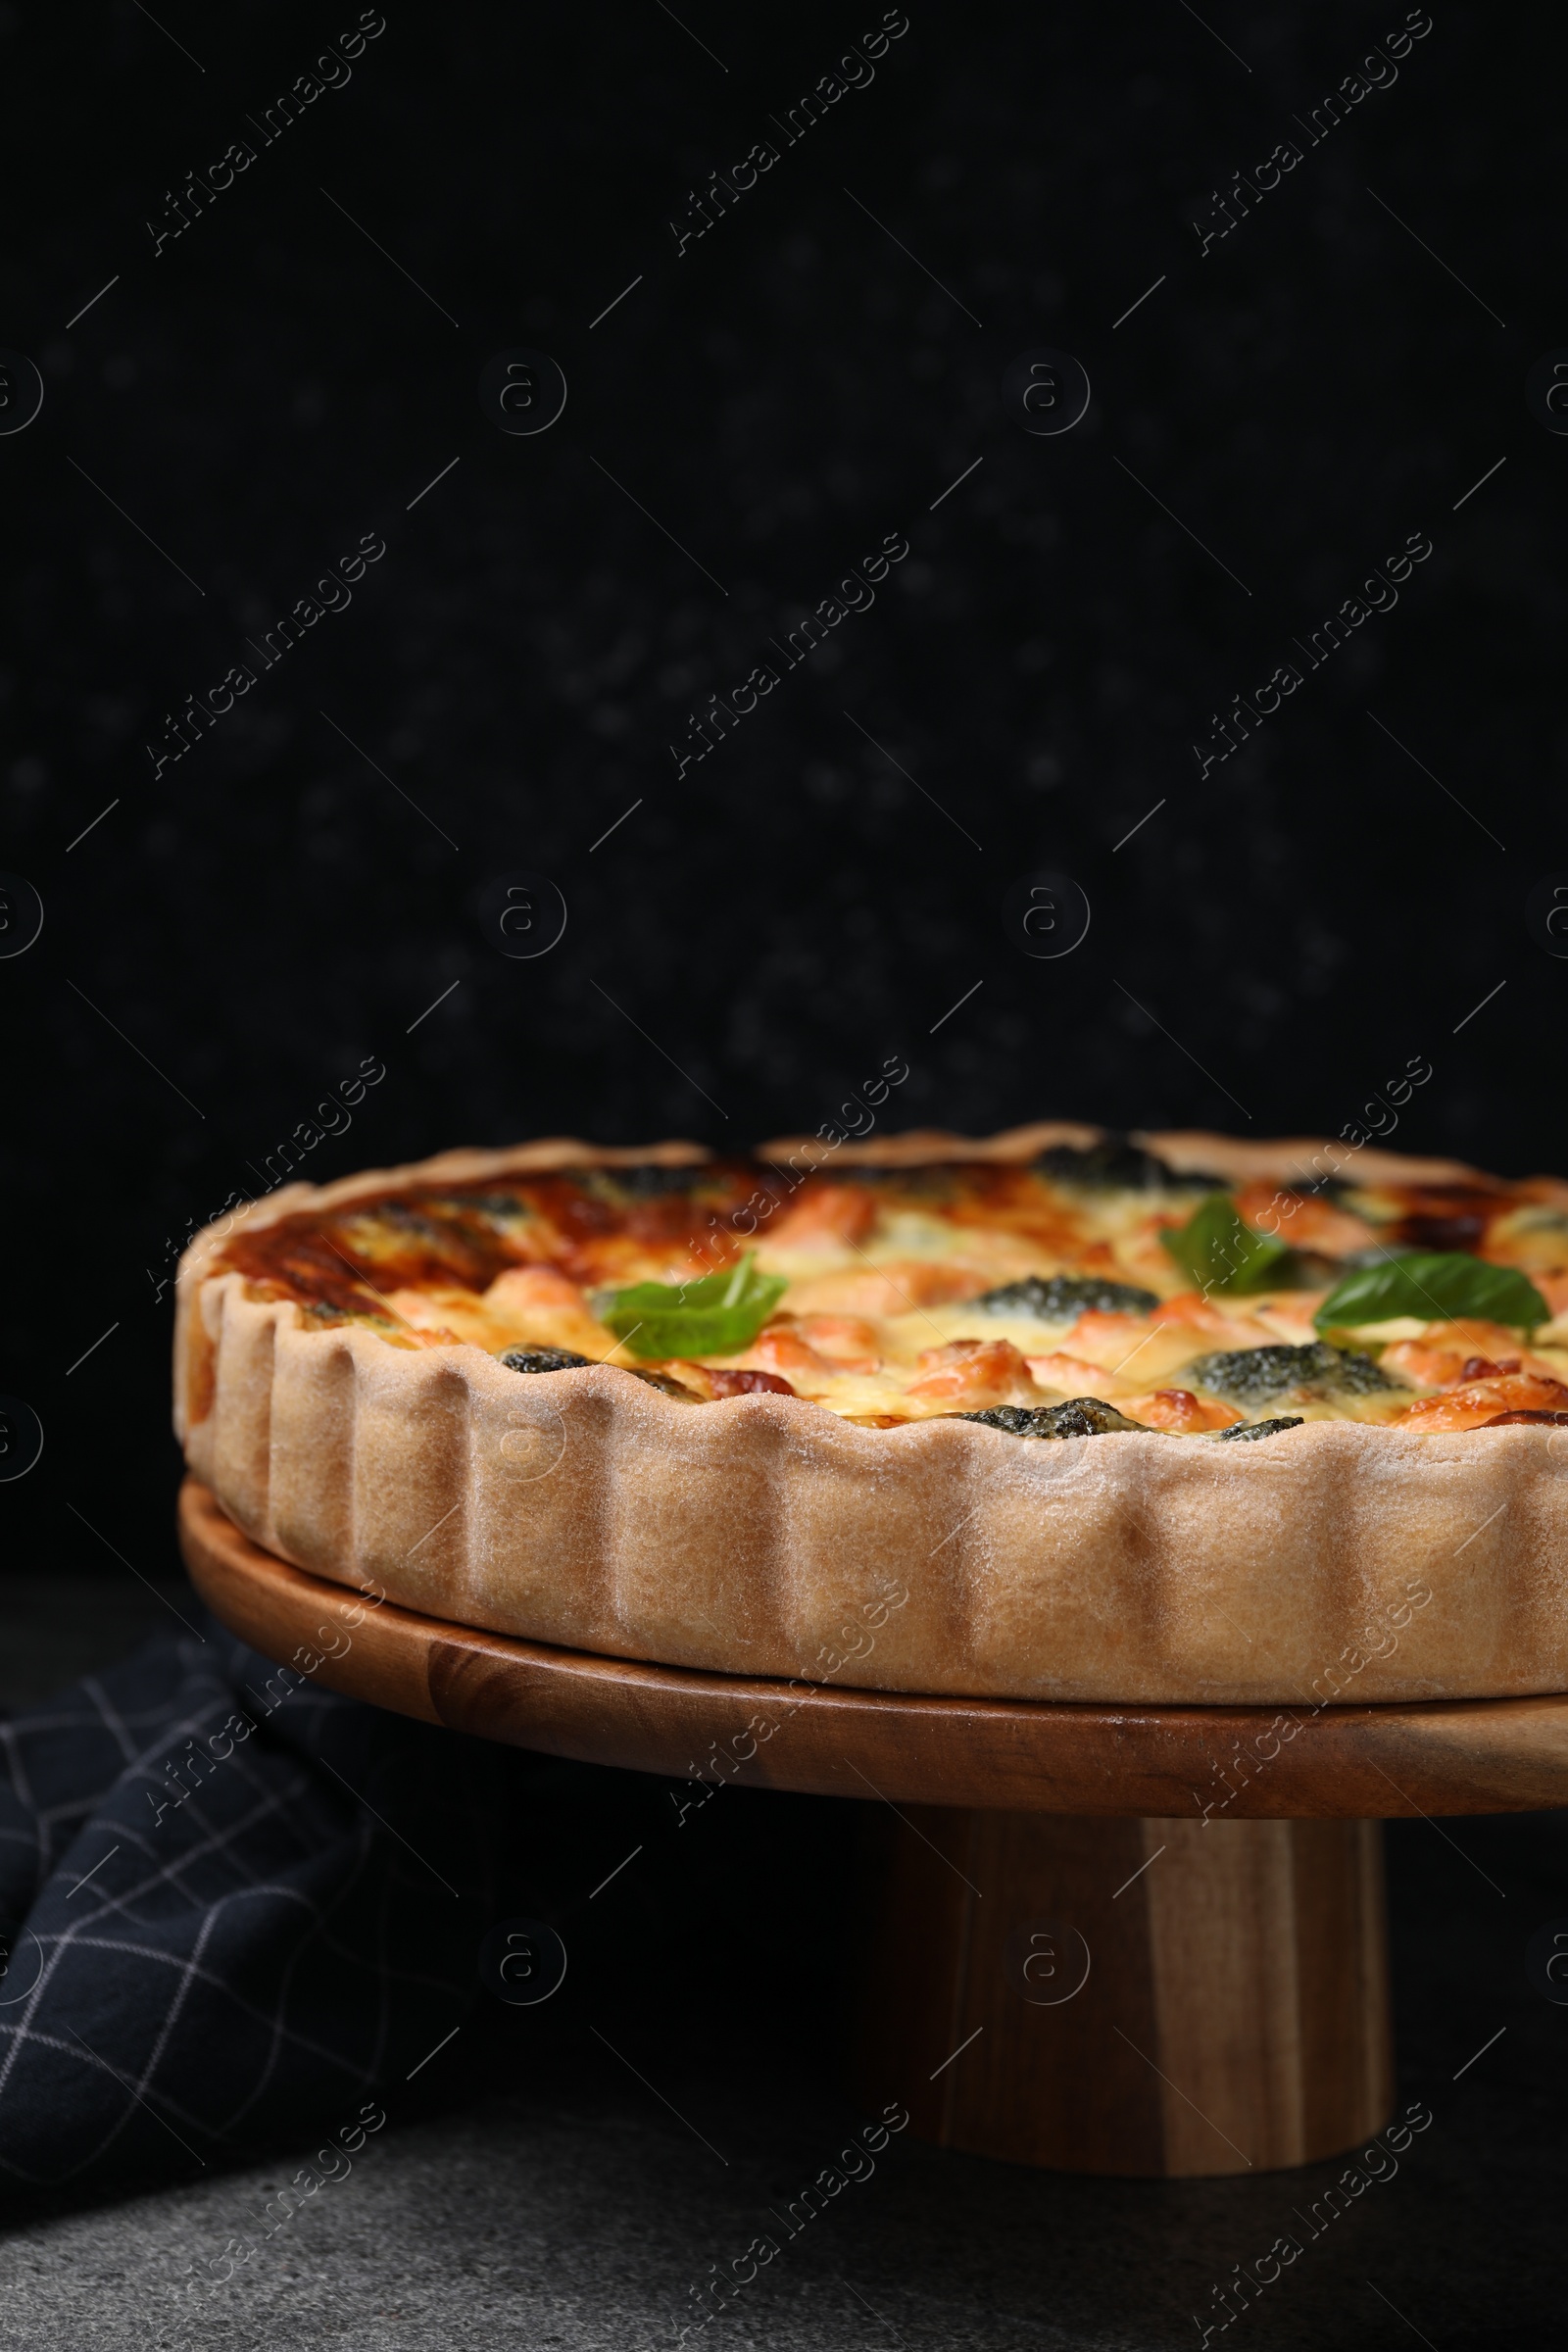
x=879, y=1322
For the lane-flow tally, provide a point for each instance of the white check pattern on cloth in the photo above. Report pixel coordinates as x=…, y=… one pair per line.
x=185, y=1988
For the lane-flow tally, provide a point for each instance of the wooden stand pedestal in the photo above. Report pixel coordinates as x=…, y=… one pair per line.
x=1131, y=1996
x=1233, y=2013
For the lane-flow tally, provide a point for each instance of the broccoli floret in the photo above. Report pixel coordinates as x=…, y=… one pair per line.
x=1080, y=1417
x=1064, y=1298
x=1255, y=1376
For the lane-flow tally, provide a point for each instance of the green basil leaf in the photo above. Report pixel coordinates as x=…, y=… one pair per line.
x=1436, y=1284
x=1221, y=1253
x=718, y=1314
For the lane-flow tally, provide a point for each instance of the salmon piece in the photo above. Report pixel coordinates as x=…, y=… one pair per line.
x=1302, y=1220
x=531, y=1288
x=538, y=1304
x=1194, y=1313
x=1449, y=1355
x=971, y=1373
x=1482, y=1400
x=1553, y=1288
x=1289, y=1318
x=1179, y=1409
x=1427, y=1367
x=782, y=1349
x=1114, y=1333
x=893, y=1290
x=823, y=1214
x=1074, y=1374
x=852, y=1343
x=442, y=1316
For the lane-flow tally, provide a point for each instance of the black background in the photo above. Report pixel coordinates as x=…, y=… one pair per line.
x=1272, y=944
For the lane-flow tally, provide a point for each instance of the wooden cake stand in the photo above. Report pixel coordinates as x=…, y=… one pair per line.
x=1129, y=1939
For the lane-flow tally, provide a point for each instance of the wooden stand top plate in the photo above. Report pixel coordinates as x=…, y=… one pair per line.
x=1007, y=1755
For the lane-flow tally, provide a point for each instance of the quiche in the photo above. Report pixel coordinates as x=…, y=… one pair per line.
x=1066, y=1415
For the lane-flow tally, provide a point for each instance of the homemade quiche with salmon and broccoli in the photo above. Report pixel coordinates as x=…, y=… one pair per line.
x=1162, y=1418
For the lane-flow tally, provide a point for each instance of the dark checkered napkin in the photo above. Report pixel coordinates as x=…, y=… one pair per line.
x=229, y=1902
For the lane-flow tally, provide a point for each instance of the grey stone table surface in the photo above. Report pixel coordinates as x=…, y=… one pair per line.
x=566, y=2176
